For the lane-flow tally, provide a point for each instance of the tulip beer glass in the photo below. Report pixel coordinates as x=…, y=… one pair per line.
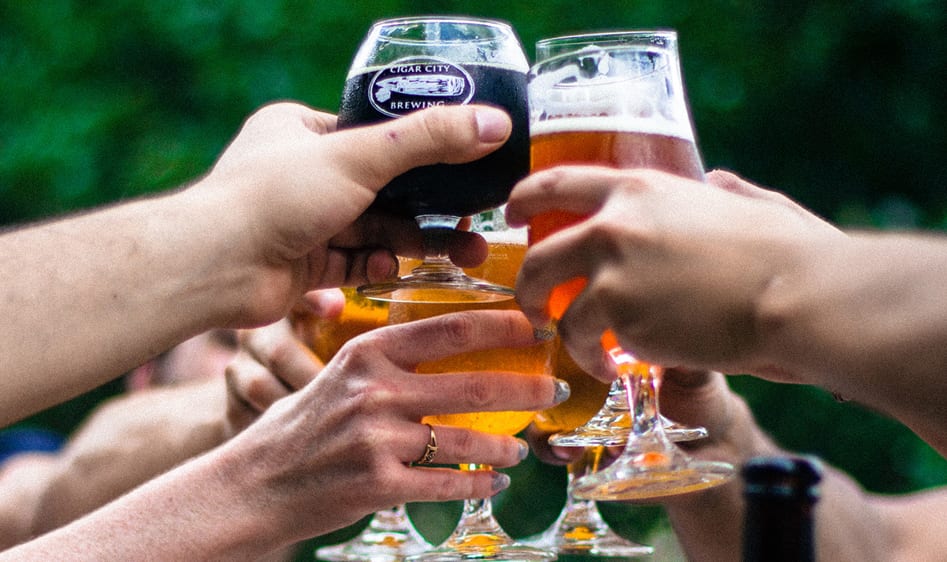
x=617, y=99
x=408, y=64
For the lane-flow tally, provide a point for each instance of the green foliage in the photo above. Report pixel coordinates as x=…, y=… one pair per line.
x=838, y=104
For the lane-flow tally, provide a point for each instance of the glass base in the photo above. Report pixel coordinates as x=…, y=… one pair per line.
x=389, y=537
x=581, y=531
x=437, y=288
x=484, y=548
x=611, y=425
x=643, y=475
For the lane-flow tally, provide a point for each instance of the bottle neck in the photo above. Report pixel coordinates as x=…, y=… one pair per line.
x=778, y=530
x=781, y=494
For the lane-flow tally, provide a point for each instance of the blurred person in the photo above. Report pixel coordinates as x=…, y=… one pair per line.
x=176, y=407
x=281, y=212
x=344, y=445
x=850, y=522
x=728, y=276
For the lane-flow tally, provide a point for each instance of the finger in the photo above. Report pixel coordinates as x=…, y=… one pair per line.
x=561, y=257
x=486, y=391
x=343, y=267
x=539, y=443
x=324, y=303
x=444, y=134
x=252, y=385
x=456, y=445
x=579, y=190
x=423, y=484
x=448, y=335
x=275, y=347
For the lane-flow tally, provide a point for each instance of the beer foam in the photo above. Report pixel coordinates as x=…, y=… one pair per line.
x=612, y=124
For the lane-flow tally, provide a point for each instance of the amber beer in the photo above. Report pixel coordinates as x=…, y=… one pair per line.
x=603, y=141
x=585, y=400
x=501, y=266
x=325, y=336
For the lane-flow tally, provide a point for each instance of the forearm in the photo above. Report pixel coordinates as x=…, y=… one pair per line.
x=709, y=525
x=162, y=521
x=127, y=442
x=89, y=297
x=868, y=319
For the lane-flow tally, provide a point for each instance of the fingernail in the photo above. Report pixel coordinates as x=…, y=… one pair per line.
x=544, y=334
x=500, y=481
x=562, y=391
x=524, y=449
x=492, y=124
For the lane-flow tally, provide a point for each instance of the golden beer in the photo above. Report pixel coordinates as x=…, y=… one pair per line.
x=501, y=266
x=585, y=400
x=325, y=336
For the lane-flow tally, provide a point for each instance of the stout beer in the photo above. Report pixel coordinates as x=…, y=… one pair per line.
x=443, y=189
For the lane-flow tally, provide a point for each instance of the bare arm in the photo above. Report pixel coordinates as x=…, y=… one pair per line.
x=327, y=455
x=127, y=441
x=89, y=297
x=851, y=524
x=739, y=279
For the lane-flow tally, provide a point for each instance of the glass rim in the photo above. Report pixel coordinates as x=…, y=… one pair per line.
x=447, y=18
x=608, y=35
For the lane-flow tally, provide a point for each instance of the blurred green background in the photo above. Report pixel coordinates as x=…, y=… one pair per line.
x=838, y=104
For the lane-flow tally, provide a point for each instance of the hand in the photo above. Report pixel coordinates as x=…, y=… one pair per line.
x=676, y=267
x=301, y=189
x=341, y=447
x=270, y=365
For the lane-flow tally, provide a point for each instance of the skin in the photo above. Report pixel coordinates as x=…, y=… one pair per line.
x=851, y=524
x=728, y=276
x=281, y=212
x=325, y=456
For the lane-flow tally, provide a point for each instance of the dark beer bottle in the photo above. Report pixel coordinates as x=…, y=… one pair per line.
x=780, y=494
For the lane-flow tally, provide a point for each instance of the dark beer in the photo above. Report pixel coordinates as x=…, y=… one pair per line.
x=444, y=189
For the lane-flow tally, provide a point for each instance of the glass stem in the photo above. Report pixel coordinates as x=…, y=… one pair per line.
x=436, y=230
x=477, y=519
x=641, y=387
x=582, y=516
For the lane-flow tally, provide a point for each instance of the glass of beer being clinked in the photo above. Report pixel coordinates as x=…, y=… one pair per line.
x=478, y=536
x=617, y=99
x=409, y=64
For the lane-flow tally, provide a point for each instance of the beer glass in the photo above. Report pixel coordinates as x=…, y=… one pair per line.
x=478, y=536
x=413, y=63
x=389, y=535
x=617, y=99
x=580, y=529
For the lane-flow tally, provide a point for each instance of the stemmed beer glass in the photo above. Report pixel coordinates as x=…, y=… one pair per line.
x=617, y=99
x=478, y=536
x=389, y=536
x=412, y=63
x=580, y=528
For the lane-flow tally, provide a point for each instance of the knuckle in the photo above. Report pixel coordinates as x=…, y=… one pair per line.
x=463, y=446
x=479, y=393
x=458, y=330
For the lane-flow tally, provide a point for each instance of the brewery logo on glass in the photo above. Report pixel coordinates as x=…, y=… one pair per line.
x=415, y=83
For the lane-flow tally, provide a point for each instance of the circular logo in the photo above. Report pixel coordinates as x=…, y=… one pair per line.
x=415, y=83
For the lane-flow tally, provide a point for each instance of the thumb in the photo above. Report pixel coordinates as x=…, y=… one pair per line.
x=443, y=134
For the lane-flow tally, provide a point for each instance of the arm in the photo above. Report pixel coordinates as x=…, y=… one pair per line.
x=127, y=441
x=281, y=212
x=325, y=456
x=851, y=524
x=739, y=279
